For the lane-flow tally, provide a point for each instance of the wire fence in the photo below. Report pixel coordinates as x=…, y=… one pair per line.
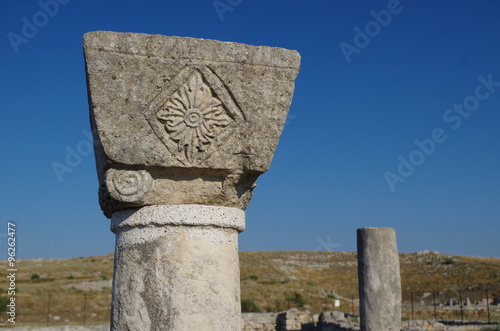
x=466, y=305
x=57, y=309
x=94, y=308
x=445, y=305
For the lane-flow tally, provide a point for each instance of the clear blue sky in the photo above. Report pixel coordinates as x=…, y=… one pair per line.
x=361, y=101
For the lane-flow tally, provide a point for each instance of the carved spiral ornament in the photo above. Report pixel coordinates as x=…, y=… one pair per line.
x=128, y=182
x=128, y=185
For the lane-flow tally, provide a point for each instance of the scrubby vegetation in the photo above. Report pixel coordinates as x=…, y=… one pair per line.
x=79, y=289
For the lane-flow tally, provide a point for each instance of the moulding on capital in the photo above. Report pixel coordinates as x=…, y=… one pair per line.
x=124, y=188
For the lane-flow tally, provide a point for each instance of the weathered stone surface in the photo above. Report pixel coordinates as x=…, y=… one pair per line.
x=418, y=325
x=258, y=321
x=185, y=215
x=292, y=319
x=331, y=317
x=335, y=321
x=379, y=279
x=170, y=275
x=183, y=120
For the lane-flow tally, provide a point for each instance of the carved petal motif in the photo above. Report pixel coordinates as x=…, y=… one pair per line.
x=193, y=117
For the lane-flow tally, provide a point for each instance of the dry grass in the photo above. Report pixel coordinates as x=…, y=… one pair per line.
x=267, y=278
x=44, y=287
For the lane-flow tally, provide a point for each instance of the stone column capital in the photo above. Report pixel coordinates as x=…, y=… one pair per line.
x=183, y=120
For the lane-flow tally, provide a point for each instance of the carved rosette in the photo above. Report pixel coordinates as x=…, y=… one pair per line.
x=194, y=115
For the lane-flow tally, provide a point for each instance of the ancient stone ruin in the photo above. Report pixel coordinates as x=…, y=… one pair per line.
x=183, y=128
x=379, y=279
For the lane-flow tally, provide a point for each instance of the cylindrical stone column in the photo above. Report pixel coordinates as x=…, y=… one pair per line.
x=182, y=128
x=379, y=279
x=183, y=257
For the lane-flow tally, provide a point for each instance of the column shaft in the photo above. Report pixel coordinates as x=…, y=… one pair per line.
x=379, y=280
x=172, y=275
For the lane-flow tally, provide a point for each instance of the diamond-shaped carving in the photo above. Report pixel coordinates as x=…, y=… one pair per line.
x=194, y=115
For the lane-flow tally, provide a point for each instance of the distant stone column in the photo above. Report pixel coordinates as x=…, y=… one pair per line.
x=379, y=279
x=182, y=128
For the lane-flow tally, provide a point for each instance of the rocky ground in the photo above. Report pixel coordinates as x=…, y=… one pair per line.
x=61, y=328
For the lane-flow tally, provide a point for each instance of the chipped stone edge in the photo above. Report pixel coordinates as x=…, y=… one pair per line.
x=188, y=48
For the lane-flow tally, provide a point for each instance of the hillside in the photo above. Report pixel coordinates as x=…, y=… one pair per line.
x=269, y=277
x=78, y=290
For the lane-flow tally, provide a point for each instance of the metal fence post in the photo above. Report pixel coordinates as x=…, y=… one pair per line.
x=461, y=306
x=488, y=306
x=48, y=311
x=84, y=308
x=434, y=299
x=412, y=310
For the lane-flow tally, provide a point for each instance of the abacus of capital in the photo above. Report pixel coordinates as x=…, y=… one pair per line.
x=183, y=128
